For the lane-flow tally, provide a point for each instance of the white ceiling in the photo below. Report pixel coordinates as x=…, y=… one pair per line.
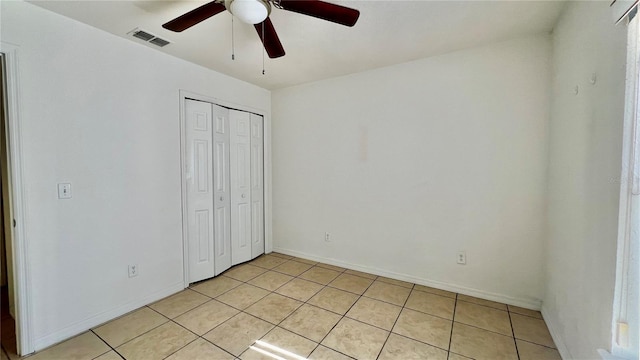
x=388, y=32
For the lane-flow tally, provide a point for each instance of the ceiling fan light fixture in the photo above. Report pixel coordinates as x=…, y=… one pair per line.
x=249, y=11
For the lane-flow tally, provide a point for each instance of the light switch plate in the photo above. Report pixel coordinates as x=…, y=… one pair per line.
x=64, y=191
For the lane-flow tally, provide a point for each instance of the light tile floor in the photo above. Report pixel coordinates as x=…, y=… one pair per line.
x=280, y=307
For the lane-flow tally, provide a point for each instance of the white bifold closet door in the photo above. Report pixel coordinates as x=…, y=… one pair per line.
x=199, y=176
x=240, y=186
x=247, y=195
x=224, y=188
x=257, y=186
x=221, y=190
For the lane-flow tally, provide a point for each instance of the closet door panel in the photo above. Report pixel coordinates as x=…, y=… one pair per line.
x=240, y=159
x=199, y=175
x=221, y=188
x=257, y=186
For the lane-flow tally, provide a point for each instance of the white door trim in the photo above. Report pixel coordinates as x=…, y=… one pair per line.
x=21, y=271
x=625, y=301
x=185, y=94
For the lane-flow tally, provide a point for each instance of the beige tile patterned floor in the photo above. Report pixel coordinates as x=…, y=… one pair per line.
x=282, y=307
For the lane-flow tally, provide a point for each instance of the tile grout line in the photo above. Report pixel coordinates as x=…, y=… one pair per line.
x=533, y=343
x=137, y=336
x=477, y=327
x=515, y=343
x=405, y=336
x=190, y=342
x=303, y=279
x=395, y=322
x=217, y=326
x=208, y=301
x=216, y=346
x=273, y=292
x=453, y=322
x=390, y=303
x=246, y=283
x=324, y=286
x=343, y=315
x=487, y=306
x=432, y=293
x=109, y=345
x=285, y=318
x=182, y=313
x=402, y=308
x=196, y=307
x=221, y=349
x=360, y=296
x=420, y=341
x=343, y=271
x=410, y=338
x=420, y=311
x=214, y=298
x=529, y=316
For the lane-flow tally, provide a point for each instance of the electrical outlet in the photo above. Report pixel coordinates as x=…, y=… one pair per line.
x=462, y=258
x=133, y=270
x=327, y=237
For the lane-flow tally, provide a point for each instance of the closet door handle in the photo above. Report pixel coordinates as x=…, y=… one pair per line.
x=221, y=198
x=244, y=196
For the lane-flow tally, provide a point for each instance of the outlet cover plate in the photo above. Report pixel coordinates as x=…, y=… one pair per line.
x=133, y=270
x=462, y=258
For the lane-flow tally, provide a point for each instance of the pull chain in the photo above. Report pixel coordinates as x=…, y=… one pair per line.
x=233, y=48
x=263, y=47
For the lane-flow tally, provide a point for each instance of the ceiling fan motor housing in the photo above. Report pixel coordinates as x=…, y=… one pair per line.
x=249, y=11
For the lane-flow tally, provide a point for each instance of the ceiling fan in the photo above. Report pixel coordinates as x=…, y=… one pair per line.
x=257, y=12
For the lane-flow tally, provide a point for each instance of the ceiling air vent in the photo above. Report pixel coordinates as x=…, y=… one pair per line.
x=143, y=35
x=148, y=37
x=159, y=42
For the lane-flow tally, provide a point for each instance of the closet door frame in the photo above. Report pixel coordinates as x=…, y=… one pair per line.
x=268, y=234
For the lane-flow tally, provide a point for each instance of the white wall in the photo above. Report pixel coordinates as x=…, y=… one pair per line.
x=406, y=165
x=584, y=178
x=101, y=113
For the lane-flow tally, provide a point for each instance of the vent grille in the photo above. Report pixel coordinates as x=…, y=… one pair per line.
x=148, y=37
x=159, y=42
x=143, y=35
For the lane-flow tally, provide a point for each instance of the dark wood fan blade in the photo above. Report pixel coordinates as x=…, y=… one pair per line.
x=323, y=10
x=194, y=16
x=270, y=39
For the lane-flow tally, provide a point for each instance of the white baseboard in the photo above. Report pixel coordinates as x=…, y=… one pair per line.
x=555, y=334
x=84, y=325
x=521, y=302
